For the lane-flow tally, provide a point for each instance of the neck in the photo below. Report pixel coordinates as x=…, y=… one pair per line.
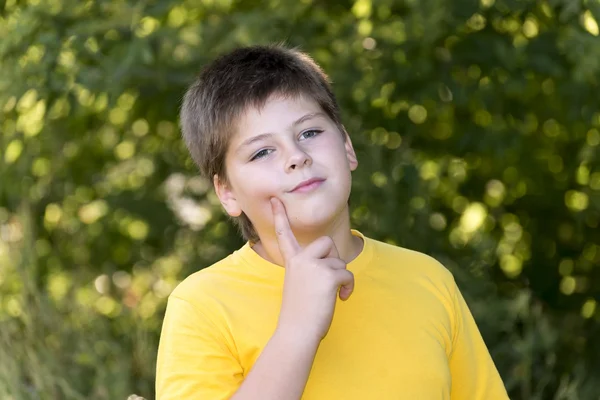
x=348, y=245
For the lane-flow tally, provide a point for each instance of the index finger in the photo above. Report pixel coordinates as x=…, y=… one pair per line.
x=288, y=245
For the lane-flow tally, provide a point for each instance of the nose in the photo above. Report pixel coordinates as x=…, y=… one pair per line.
x=297, y=159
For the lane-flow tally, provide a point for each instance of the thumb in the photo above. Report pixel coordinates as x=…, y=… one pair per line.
x=345, y=292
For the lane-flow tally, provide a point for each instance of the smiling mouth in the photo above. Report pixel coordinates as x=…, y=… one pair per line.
x=308, y=185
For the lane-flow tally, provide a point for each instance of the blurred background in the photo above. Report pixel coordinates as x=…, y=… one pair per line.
x=477, y=126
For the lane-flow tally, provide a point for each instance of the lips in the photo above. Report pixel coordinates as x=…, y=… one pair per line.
x=307, y=183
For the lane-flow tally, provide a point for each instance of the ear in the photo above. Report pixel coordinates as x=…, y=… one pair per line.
x=350, y=154
x=227, y=197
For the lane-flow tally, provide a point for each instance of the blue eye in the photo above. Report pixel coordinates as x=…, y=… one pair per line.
x=310, y=133
x=262, y=153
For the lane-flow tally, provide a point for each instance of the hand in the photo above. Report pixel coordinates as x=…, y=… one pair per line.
x=313, y=276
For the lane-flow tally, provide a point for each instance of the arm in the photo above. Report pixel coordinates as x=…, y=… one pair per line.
x=474, y=375
x=281, y=371
x=195, y=360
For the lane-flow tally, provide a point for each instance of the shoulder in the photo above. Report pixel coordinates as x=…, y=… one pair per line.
x=415, y=272
x=410, y=261
x=203, y=286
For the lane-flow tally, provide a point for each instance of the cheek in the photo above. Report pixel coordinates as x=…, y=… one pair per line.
x=257, y=189
x=256, y=201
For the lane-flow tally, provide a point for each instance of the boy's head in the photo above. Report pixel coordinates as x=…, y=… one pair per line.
x=260, y=120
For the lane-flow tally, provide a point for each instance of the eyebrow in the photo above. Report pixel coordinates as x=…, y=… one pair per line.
x=307, y=117
x=264, y=136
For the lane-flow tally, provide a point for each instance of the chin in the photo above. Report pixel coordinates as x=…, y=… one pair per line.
x=319, y=217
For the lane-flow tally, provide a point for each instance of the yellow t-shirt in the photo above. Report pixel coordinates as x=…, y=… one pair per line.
x=405, y=333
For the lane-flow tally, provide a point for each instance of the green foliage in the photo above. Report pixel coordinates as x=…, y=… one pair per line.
x=477, y=126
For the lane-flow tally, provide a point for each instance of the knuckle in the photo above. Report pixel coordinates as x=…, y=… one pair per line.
x=330, y=274
x=333, y=263
x=327, y=240
x=322, y=241
x=350, y=275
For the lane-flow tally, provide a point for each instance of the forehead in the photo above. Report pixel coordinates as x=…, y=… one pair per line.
x=278, y=110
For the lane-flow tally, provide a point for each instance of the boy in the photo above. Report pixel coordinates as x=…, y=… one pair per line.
x=263, y=124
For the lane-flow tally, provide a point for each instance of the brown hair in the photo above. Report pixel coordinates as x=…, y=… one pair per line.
x=246, y=77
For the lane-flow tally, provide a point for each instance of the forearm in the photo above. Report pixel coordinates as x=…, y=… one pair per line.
x=282, y=369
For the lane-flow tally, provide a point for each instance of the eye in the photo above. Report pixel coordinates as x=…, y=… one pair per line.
x=310, y=133
x=260, y=154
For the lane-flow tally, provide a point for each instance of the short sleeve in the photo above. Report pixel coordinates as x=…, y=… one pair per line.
x=194, y=361
x=474, y=375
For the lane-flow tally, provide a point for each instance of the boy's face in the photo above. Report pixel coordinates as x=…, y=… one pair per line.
x=287, y=142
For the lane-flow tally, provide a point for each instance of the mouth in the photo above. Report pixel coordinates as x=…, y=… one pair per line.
x=307, y=185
